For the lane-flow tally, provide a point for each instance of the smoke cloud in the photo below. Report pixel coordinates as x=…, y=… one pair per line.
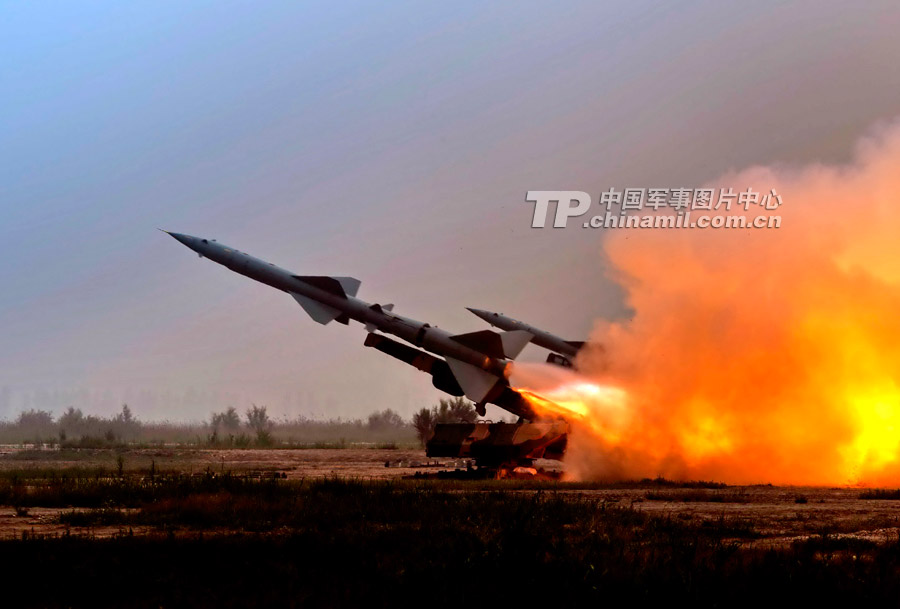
x=766, y=355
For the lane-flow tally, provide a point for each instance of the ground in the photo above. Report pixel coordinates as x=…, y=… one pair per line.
x=777, y=516
x=347, y=462
x=182, y=527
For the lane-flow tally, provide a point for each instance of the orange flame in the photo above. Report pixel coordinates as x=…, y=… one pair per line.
x=767, y=355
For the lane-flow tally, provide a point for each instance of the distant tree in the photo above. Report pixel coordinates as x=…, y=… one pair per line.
x=126, y=416
x=384, y=420
x=423, y=421
x=34, y=419
x=258, y=420
x=125, y=424
x=71, y=419
x=456, y=410
x=71, y=423
x=35, y=426
x=229, y=420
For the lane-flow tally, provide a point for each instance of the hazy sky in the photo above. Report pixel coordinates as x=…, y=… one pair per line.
x=389, y=142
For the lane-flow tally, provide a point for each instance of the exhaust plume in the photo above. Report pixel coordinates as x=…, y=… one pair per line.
x=753, y=355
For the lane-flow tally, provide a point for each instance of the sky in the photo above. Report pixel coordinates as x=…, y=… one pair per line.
x=391, y=142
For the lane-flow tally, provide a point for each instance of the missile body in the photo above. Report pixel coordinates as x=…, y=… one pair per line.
x=569, y=348
x=476, y=364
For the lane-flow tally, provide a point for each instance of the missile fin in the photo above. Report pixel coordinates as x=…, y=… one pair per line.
x=339, y=286
x=475, y=382
x=483, y=341
x=370, y=327
x=514, y=341
x=578, y=344
x=381, y=308
x=318, y=311
x=493, y=344
x=350, y=285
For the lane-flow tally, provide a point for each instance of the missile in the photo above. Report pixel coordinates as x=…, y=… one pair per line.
x=565, y=349
x=442, y=377
x=475, y=364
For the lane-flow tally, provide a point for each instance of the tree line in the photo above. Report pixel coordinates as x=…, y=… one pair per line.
x=229, y=427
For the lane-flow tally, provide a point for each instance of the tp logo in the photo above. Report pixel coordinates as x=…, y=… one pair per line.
x=564, y=207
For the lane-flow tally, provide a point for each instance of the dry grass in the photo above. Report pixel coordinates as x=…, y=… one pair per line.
x=229, y=541
x=167, y=535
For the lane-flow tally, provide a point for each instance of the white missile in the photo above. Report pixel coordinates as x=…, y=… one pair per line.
x=568, y=349
x=478, y=363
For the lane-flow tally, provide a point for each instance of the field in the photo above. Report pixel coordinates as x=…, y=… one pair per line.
x=336, y=527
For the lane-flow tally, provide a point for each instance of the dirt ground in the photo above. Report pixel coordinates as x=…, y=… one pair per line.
x=296, y=463
x=773, y=513
x=44, y=522
x=762, y=516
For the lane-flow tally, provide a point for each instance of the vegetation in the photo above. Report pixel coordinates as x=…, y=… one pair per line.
x=229, y=541
x=456, y=410
x=225, y=429
x=879, y=493
x=698, y=495
x=228, y=421
x=72, y=428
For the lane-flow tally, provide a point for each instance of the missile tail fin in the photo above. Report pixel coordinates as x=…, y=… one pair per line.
x=475, y=382
x=318, y=311
x=349, y=284
x=370, y=327
x=499, y=345
x=339, y=286
x=514, y=341
x=483, y=341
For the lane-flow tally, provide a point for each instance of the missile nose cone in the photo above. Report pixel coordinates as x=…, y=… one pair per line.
x=187, y=240
x=485, y=315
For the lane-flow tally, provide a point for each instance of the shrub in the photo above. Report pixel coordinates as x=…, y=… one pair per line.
x=457, y=410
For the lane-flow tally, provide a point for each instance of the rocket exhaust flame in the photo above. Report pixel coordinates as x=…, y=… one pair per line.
x=764, y=357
